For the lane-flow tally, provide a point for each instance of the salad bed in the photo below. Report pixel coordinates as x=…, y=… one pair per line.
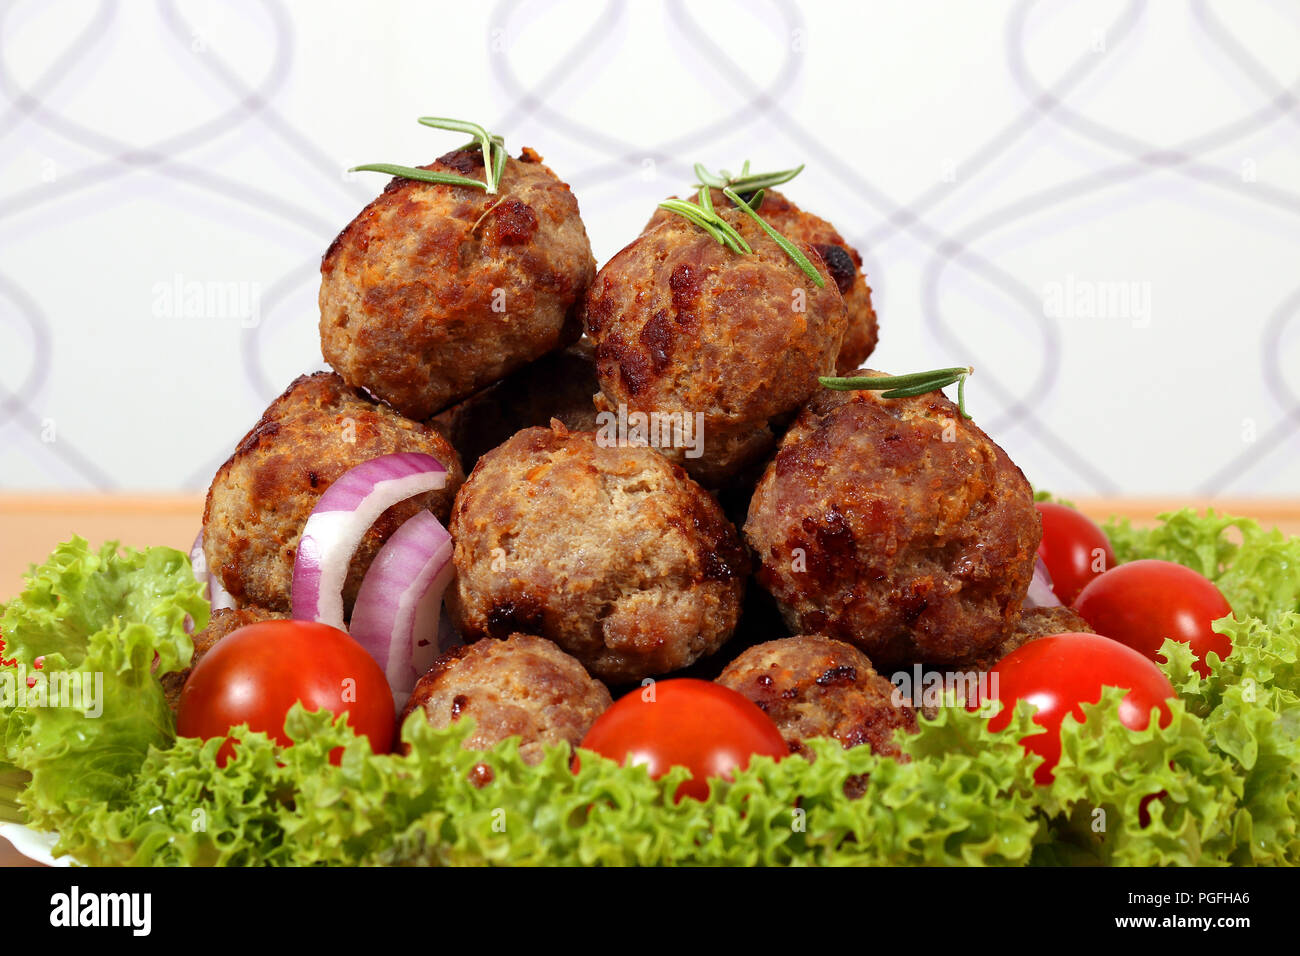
x=1220, y=784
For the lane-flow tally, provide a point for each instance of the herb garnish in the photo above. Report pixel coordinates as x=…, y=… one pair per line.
x=704, y=216
x=746, y=182
x=789, y=247
x=702, y=213
x=906, y=386
x=494, y=158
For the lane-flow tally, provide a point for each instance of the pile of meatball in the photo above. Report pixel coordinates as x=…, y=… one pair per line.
x=816, y=542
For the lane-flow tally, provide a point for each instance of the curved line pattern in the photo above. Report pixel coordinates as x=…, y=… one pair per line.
x=615, y=158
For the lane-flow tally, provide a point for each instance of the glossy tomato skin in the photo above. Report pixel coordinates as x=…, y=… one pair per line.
x=709, y=729
x=1143, y=602
x=255, y=674
x=1074, y=549
x=1059, y=673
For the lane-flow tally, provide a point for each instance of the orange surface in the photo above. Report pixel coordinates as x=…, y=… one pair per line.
x=31, y=525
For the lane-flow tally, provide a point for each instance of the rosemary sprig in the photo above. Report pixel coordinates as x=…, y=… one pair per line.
x=906, y=386
x=746, y=182
x=423, y=175
x=704, y=216
x=789, y=247
x=494, y=158
x=702, y=213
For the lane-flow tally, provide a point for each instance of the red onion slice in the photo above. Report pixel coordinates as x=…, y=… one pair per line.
x=213, y=589
x=1040, y=587
x=341, y=518
x=398, y=607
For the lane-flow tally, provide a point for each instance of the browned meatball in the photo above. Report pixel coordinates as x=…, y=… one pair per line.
x=220, y=624
x=813, y=686
x=262, y=496
x=522, y=687
x=435, y=291
x=1035, y=622
x=896, y=525
x=842, y=260
x=560, y=385
x=684, y=325
x=613, y=553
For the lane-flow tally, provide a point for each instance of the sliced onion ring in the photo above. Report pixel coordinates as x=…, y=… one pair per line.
x=340, y=520
x=397, y=612
x=1040, y=587
x=213, y=589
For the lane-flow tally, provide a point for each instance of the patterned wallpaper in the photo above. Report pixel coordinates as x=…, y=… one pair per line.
x=1096, y=205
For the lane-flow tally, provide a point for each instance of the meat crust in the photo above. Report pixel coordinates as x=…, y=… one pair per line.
x=435, y=291
x=682, y=324
x=842, y=261
x=813, y=686
x=1035, y=622
x=896, y=525
x=611, y=552
x=261, y=497
x=523, y=687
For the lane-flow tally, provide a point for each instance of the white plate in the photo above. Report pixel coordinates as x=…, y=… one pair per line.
x=33, y=844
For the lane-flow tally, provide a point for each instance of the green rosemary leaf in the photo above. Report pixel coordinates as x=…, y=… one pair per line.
x=706, y=200
x=913, y=390
x=707, y=219
x=423, y=175
x=790, y=249
x=498, y=165
x=693, y=214
x=905, y=386
x=484, y=138
x=706, y=178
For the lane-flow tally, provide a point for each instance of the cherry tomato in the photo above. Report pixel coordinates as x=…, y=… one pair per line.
x=1060, y=672
x=256, y=673
x=1074, y=549
x=1143, y=602
x=709, y=729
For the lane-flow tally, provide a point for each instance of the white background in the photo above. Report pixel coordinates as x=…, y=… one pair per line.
x=979, y=155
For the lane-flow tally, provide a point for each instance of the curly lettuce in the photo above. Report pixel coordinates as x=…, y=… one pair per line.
x=1218, y=784
x=103, y=625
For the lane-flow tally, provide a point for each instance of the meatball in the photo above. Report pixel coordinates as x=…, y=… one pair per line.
x=842, y=260
x=262, y=496
x=523, y=687
x=896, y=525
x=611, y=552
x=1035, y=622
x=221, y=623
x=814, y=686
x=560, y=385
x=435, y=291
x=682, y=325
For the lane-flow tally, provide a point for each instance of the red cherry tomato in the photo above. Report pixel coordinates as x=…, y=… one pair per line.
x=1060, y=672
x=709, y=729
x=1143, y=602
x=256, y=673
x=1074, y=549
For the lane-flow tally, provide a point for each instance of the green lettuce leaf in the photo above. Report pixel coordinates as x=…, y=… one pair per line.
x=1258, y=571
x=100, y=620
x=1219, y=784
x=273, y=805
